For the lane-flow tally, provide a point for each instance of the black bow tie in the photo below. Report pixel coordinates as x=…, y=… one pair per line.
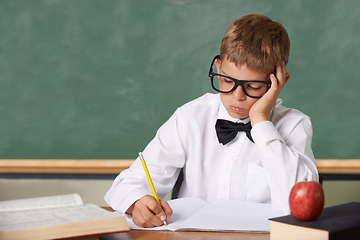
x=227, y=131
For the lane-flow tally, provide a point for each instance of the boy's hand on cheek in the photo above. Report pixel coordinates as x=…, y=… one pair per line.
x=260, y=110
x=146, y=212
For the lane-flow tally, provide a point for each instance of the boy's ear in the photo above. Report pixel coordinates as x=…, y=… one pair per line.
x=287, y=77
x=218, y=65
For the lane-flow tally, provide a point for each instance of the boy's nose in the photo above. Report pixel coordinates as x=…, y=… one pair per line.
x=238, y=93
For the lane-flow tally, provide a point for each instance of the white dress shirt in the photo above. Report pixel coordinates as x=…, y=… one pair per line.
x=264, y=171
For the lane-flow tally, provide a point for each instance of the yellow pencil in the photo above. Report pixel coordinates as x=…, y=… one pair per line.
x=150, y=181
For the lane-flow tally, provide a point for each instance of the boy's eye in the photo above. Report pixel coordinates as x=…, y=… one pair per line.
x=255, y=86
x=228, y=81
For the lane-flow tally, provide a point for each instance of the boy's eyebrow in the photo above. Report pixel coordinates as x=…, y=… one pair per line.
x=224, y=73
x=227, y=75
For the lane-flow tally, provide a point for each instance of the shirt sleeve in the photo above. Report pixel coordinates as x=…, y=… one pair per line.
x=164, y=157
x=286, y=156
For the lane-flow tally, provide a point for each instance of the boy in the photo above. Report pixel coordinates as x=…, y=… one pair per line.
x=211, y=140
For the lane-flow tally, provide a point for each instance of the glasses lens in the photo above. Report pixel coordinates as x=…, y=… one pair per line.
x=255, y=89
x=223, y=84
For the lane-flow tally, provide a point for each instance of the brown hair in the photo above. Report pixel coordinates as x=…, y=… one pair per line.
x=256, y=41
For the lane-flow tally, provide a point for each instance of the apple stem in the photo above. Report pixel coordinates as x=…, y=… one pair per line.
x=306, y=180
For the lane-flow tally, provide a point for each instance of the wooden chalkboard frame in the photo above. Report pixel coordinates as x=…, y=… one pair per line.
x=111, y=166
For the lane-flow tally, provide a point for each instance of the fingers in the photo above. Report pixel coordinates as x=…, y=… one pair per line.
x=167, y=209
x=281, y=74
x=278, y=81
x=274, y=82
x=148, y=213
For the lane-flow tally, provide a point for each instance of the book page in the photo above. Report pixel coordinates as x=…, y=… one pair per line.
x=231, y=215
x=29, y=218
x=182, y=208
x=41, y=202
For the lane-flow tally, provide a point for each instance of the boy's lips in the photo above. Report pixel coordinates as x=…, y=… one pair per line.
x=237, y=109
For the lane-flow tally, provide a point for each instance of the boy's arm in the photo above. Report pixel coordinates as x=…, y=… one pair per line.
x=287, y=156
x=286, y=161
x=164, y=156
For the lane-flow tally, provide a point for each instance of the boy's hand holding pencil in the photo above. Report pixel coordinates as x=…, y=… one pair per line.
x=149, y=211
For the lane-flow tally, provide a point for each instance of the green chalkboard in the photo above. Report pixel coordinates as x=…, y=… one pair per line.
x=92, y=79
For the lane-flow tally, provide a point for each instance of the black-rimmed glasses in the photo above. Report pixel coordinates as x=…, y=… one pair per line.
x=225, y=84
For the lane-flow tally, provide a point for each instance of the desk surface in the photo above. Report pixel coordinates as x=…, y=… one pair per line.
x=168, y=235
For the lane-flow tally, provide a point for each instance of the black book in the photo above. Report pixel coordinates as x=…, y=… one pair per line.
x=335, y=223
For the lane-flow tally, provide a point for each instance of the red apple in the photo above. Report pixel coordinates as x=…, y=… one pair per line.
x=306, y=200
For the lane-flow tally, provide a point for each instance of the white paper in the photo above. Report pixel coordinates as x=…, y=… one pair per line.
x=191, y=214
x=229, y=215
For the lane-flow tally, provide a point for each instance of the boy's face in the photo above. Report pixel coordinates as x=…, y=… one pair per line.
x=236, y=103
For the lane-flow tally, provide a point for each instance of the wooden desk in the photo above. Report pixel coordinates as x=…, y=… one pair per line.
x=168, y=235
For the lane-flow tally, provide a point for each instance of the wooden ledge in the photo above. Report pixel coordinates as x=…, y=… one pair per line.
x=64, y=166
x=108, y=166
x=338, y=166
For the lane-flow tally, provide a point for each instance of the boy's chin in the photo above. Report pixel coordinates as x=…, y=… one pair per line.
x=238, y=115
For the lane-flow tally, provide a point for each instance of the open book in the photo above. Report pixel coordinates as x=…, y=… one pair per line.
x=55, y=217
x=193, y=214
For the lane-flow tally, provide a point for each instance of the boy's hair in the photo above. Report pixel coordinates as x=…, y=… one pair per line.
x=256, y=41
